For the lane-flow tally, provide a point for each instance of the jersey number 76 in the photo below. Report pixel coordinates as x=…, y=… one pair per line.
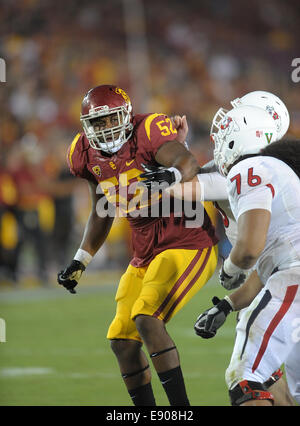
x=253, y=180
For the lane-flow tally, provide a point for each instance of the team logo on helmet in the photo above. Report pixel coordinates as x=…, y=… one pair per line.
x=225, y=123
x=228, y=125
x=275, y=116
x=121, y=92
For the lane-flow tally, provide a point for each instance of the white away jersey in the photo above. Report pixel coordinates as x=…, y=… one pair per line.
x=268, y=183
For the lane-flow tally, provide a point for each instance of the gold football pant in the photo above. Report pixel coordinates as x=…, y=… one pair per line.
x=161, y=288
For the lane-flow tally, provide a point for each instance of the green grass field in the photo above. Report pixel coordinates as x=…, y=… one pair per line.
x=56, y=352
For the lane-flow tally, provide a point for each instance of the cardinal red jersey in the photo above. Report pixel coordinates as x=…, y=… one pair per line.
x=118, y=177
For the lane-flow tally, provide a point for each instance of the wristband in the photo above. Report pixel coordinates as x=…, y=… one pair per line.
x=227, y=298
x=230, y=268
x=178, y=175
x=83, y=257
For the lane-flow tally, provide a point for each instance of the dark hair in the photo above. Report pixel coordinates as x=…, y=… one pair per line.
x=287, y=151
x=133, y=141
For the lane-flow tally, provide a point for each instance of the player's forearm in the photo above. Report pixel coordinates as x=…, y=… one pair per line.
x=243, y=296
x=95, y=233
x=174, y=154
x=187, y=165
x=252, y=234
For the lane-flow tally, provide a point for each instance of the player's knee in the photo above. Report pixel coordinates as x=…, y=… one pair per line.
x=148, y=327
x=125, y=349
x=143, y=324
x=247, y=390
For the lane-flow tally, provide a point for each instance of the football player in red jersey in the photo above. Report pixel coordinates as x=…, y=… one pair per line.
x=170, y=263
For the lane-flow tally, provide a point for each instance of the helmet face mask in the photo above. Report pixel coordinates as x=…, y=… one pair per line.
x=107, y=101
x=243, y=130
x=215, y=125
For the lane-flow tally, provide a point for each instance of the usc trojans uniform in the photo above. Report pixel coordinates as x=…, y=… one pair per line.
x=171, y=262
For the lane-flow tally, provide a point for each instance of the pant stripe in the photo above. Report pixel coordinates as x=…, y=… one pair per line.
x=178, y=283
x=189, y=286
x=288, y=300
x=262, y=304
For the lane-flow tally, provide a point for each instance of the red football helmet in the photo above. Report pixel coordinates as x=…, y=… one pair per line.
x=103, y=101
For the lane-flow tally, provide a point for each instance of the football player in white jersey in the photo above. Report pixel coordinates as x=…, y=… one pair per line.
x=264, y=198
x=213, y=187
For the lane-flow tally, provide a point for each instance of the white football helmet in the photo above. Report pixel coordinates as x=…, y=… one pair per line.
x=261, y=99
x=243, y=130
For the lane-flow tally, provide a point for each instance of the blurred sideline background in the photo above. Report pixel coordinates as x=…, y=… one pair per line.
x=174, y=57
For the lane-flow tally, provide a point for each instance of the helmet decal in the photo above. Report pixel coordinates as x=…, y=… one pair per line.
x=121, y=92
x=269, y=138
x=227, y=126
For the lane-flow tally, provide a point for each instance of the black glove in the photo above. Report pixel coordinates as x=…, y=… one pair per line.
x=208, y=323
x=231, y=282
x=157, y=175
x=71, y=275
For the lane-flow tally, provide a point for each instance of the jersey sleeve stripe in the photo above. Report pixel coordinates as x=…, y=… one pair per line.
x=72, y=148
x=148, y=122
x=269, y=185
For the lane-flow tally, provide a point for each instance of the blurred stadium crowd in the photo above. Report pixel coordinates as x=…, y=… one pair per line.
x=199, y=56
